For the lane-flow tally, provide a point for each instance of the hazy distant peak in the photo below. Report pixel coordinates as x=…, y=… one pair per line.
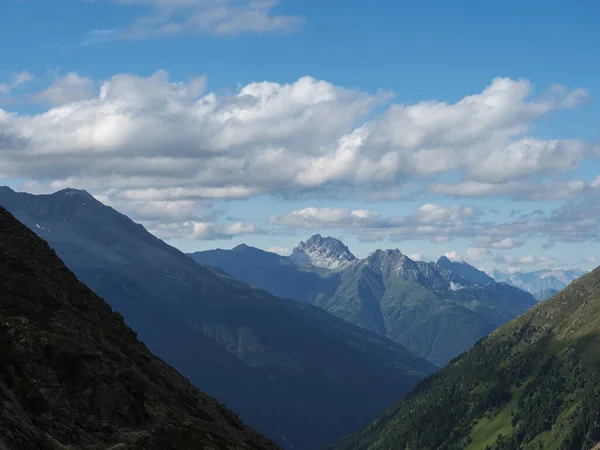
x=326, y=252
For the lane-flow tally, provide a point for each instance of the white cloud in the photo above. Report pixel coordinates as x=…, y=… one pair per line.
x=67, y=89
x=527, y=260
x=500, y=244
x=283, y=251
x=477, y=253
x=435, y=213
x=453, y=255
x=589, y=260
x=170, y=143
x=417, y=257
x=203, y=230
x=216, y=17
x=154, y=138
x=17, y=79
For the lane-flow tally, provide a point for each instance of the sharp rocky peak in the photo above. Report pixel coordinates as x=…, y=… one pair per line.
x=326, y=252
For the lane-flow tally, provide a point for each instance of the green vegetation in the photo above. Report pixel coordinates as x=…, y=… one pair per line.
x=532, y=384
x=408, y=301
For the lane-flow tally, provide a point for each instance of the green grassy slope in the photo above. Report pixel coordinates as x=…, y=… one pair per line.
x=532, y=384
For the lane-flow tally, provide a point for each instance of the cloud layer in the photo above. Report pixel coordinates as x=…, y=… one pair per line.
x=159, y=148
x=216, y=17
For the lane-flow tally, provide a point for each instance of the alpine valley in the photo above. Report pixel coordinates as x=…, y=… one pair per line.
x=532, y=384
x=298, y=374
x=437, y=310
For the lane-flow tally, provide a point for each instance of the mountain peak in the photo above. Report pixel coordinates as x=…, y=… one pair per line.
x=71, y=192
x=464, y=270
x=326, y=252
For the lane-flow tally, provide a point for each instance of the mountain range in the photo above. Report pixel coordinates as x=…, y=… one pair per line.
x=293, y=371
x=542, y=283
x=532, y=384
x=436, y=310
x=73, y=375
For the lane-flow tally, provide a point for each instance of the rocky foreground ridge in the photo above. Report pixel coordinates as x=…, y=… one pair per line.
x=74, y=376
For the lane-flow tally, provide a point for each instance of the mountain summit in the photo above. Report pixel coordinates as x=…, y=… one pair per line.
x=328, y=253
x=435, y=310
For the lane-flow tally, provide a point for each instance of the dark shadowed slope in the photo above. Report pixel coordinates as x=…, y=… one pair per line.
x=73, y=374
x=296, y=373
x=532, y=384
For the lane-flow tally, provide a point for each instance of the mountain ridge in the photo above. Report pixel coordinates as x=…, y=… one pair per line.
x=73, y=374
x=427, y=307
x=530, y=384
x=240, y=344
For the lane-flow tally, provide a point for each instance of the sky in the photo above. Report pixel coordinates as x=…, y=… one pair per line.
x=467, y=128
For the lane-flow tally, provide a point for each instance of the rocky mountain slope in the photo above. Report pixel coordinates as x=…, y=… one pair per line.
x=532, y=384
x=328, y=253
x=73, y=375
x=293, y=371
x=436, y=310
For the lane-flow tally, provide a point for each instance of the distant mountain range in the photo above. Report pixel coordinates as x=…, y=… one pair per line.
x=295, y=372
x=73, y=375
x=531, y=384
x=436, y=310
x=541, y=283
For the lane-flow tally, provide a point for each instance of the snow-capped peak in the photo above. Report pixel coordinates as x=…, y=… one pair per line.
x=328, y=252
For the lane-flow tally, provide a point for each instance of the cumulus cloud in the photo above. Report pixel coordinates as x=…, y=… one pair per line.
x=153, y=138
x=216, y=17
x=169, y=144
x=67, y=89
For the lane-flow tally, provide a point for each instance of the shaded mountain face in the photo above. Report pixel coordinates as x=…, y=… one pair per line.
x=293, y=371
x=531, y=384
x=436, y=310
x=328, y=253
x=540, y=282
x=73, y=374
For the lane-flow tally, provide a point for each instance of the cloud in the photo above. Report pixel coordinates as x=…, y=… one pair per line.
x=67, y=89
x=216, y=17
x=165, y=142
x=428, y=221
x=453, y=256
x=17, y=79
x=528, y=260
x=501, y=243
x=477, y=253
x=589, y=260
x=569, y=223
x=417, y=257
x=283, y=251
x=204, y=230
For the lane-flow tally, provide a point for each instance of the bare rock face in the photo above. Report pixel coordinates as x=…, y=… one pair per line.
x=74, y=376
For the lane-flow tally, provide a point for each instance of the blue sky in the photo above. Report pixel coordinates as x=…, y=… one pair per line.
x=231, y=144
